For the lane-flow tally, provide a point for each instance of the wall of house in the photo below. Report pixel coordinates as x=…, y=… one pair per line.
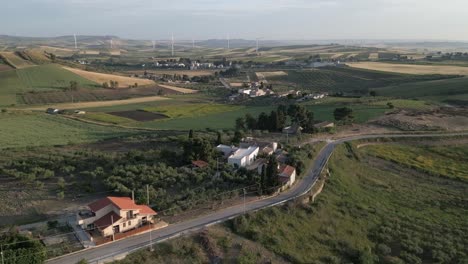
x=99, y=214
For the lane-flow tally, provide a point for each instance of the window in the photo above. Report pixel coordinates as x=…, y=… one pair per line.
x=129, y=223
x=123, y=224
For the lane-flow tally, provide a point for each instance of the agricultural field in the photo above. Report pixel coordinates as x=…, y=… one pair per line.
x=21, y=129
x=443, y=161
x=189, y=73
x=51, y=77
x=15, y=60
x=100, y=78
x=411, y=68
x=10, y=84
x=84, y=105
x=178, y=89
x=346, y=79
x=447, y=91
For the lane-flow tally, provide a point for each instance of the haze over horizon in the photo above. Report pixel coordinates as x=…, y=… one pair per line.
x=207, y=19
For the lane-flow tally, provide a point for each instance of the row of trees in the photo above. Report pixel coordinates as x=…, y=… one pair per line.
x=276, y=120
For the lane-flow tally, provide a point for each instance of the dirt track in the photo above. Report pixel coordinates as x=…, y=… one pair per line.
x=98, y=104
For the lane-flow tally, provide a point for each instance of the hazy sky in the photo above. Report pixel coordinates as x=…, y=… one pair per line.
x=270, y=19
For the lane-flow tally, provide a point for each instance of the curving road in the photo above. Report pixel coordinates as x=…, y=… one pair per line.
x=128, y=245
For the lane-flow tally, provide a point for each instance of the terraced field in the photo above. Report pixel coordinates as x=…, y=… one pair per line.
x=15, y=60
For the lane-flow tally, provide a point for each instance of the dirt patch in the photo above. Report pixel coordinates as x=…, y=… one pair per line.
x=411, y=69
x=140, y=115
x=271, y=74
x=99, y=104
x=178, y=89
x=124, y=81
x=449, y=119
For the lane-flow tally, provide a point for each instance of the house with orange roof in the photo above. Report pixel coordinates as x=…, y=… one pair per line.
x=286, y=176
x=113, y=215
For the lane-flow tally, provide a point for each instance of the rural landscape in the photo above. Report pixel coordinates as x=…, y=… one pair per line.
x=232, y=150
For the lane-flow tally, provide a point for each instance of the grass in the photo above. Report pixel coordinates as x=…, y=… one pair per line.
x=449, y=90
x=192, y=110
x=9, y=85
x=450, y=162
x=405, y=103
x=36, y=79
x=345, y=79
x=50, y=77
x=30, y=130
x=186, y=115
x=368, y=213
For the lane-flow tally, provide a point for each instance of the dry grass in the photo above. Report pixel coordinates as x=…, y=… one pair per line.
x=17, y=61
x=337, y=55
x=271, y=74
x=124, y=82
x=99, y=104
x=411, y=69
x=352, y=55
x=89, y=52
x=374, y=56
x=178, y=89
x=236, y=84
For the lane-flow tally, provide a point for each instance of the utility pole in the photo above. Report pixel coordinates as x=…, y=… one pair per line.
x=172, y=45
x=244, y=199
x=133, y=195
x=1, y=253
x=113, y=230
x=151, y=237
x=147, y=194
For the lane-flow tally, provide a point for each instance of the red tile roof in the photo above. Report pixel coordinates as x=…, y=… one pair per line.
x=287, y=171
x=107, y=220
x=200, y=163
x=122, y=203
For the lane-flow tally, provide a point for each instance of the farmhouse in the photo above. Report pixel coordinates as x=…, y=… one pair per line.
x=112, y=215
x=287, y=176
x=243, y=157
x=292, y=130
x=200, y=164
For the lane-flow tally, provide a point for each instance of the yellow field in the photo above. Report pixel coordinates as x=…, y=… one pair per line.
x=98, y=104
x=124, y=82
x=411, y=69
x=352, y=55
x=17, y=61
x=374, y=56
x=236, y=84
x=337, y=55
x=271, y=74
x=178, y=89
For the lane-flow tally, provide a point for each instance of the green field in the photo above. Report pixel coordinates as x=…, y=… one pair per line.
x=369, y=213
x=448, y=91
x=185, y=116
x=10, y=84
x=37, y=79
x=346, y=79
x=450, y=162
x=51, y=77
x=30, y=130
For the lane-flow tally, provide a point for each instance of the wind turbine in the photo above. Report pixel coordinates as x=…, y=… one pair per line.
x=74, y=36
x=172, y=44
x=228, y=42
x=154, y=44
x=193, y=43
x=256, y=49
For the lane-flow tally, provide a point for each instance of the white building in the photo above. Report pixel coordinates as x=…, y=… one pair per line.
x=243, y=157
x=226, y=150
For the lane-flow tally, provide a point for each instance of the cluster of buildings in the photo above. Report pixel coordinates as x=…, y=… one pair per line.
x=247, y=154
x=194, y=65
x=252, y=90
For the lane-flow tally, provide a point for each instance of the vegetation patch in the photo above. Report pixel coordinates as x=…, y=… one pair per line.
x=140, y=115
x=368, y=213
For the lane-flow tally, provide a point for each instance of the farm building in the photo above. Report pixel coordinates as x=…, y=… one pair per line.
x=287, y=176
x=243, y=157
x=112, y=215
x=292, y=130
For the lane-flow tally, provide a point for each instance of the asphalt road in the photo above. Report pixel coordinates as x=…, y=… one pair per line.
x=120, y=247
